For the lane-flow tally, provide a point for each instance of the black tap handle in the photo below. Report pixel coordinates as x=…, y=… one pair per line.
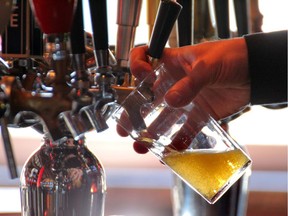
x=98, y=11
x=222, y=18
x=185, y=23
x=241, y=14
x=77, y=31
x=167, y=14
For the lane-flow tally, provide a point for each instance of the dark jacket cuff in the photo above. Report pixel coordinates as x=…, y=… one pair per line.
x=267, y=55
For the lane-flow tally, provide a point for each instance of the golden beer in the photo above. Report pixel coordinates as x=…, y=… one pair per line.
x=208, y=171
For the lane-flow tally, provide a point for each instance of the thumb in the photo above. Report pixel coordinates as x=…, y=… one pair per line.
x=187, y=88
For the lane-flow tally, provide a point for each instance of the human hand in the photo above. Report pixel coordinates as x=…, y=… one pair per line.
x=213, y=74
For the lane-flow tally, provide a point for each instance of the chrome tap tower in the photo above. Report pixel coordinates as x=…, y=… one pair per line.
x=55, y=81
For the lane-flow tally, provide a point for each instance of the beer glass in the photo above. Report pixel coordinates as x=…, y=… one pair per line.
x=186, y=139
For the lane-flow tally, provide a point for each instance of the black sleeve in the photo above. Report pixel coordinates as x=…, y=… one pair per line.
x=267, y=55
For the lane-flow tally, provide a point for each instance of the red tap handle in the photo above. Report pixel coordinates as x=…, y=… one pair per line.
x=54, y=16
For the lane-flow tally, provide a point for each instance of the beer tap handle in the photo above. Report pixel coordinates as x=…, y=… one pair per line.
x=241, y=14
x=77, y=31
x=167, y=14
x=185, y=24
x=78, y=47
x=98, y=11
x=60, y=21
x=222, y=18
x=166, y=17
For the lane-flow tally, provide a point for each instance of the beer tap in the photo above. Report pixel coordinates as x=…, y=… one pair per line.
x=49, y=104
x=14, y=68
x=203, y=29
x=223, y=21
x=184, y=23
x=222, y=18
x=105, y=94
x=242, y=17
x=128, y=15
x=81, y=96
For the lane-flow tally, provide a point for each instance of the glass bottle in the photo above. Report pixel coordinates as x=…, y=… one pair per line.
x=63, y=178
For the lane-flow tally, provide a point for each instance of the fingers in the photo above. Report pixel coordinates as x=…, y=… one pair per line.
x=180, y=94
x=139, y=66
x=121, y=131
x=186, y=89
x=140, y=148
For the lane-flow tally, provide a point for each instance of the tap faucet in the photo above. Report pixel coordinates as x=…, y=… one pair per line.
x=81, y=96
x=128, y=14
x=105, y=95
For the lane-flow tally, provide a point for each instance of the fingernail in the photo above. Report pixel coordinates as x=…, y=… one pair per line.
x=173, y=98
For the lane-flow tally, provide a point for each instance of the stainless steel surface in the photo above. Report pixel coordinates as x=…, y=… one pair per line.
x=127, y=19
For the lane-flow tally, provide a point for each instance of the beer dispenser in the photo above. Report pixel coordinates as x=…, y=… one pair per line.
x=63, y=177
x=49, y=89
